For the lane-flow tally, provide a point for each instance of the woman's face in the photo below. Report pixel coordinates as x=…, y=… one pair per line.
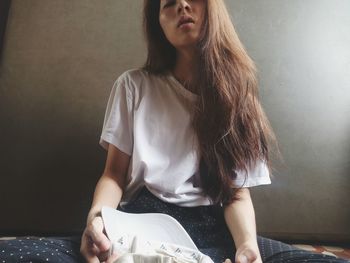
x=181, y=21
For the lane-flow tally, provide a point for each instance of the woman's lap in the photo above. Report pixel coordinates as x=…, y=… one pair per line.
x=205, y=225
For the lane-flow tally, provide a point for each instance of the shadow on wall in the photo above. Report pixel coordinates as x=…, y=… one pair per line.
x=4, y=9
x=53, y=183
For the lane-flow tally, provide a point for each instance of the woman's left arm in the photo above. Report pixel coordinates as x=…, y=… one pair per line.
x=240, y=219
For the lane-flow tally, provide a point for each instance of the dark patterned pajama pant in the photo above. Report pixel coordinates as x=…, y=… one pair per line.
x=205, y=224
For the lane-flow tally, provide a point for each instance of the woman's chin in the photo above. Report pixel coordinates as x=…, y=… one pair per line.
x=186, y=42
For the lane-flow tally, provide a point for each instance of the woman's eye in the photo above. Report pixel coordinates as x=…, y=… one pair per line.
x=169, y=3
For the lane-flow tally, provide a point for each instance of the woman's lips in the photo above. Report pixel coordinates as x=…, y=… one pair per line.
x=186, y=25
x=185, y=20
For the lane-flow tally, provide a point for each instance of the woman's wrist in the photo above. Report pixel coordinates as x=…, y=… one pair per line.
x=249, y=238
x=249, y=242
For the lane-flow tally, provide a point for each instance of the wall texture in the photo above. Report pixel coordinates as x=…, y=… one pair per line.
x=59, y=63
x=61, y=58
x=302, y=49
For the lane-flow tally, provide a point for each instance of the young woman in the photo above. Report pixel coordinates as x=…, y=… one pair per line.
x=186, y=136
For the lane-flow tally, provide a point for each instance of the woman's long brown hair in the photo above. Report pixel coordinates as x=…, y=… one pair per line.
x=232, y=129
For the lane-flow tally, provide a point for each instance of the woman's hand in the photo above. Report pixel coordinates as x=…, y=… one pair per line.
x=248, y=252
x=95, y=245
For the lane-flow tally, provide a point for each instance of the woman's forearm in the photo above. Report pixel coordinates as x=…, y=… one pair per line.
x=108, y=192
x=240, y=219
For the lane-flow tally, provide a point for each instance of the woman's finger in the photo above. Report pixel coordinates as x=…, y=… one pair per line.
x=95, y=232
x=88, y=253
x=103, y=256
x=94, y=249
x=112, y=258
x=90, y=258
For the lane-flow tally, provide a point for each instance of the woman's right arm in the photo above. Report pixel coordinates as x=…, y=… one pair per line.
x=108, y=192
x=109, y=189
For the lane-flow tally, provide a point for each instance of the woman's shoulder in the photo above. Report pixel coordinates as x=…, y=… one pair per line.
x=138, y=76
x=138, y=82
x=131, y=80
x=134, y=76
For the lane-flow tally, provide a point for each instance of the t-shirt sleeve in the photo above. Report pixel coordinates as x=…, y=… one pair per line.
x=118, y=121
x=257, y=175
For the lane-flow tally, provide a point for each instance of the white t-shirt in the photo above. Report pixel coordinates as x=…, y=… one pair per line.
x=148, y=117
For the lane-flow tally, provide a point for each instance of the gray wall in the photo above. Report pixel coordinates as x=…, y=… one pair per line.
x=61, y=58
x=59, y=63
x=302, y=49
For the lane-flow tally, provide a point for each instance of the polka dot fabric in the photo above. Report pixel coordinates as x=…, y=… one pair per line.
x=40, y=249
x=205, y=224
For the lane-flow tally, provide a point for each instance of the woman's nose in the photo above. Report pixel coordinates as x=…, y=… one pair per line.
x=183, y=5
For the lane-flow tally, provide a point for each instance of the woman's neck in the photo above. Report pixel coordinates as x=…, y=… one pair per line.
x=185, y=68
